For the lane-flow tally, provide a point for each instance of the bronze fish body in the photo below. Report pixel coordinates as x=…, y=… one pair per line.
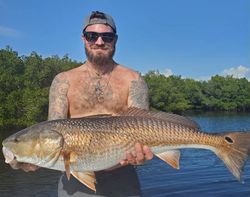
x=84, y=145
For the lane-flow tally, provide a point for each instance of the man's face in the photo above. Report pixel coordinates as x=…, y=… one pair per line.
x=98, y=51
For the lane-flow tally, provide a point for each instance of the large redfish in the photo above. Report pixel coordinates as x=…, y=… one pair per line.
x=84, y=145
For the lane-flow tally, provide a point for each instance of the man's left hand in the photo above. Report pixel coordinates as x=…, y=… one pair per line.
x=140, y=155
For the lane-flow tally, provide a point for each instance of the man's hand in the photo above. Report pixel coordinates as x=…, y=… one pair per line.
x=24, y=166
x=141, y=154
x=28, y=167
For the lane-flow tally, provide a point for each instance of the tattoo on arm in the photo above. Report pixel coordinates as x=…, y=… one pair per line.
x=58, y=102
x=138, y=94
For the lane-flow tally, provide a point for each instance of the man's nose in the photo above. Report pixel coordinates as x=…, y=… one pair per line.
x=99, y=41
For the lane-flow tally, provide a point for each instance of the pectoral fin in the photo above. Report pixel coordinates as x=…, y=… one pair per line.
x=66, y=157
x=86, y=178
x=69, y=158
x=171, y=157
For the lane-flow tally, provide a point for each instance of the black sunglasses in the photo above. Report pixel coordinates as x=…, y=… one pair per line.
x=93, y=36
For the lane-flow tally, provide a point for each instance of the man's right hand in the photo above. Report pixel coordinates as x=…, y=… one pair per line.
x=27, y=167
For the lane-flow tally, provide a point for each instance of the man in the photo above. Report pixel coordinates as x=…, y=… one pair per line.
x=100, y=86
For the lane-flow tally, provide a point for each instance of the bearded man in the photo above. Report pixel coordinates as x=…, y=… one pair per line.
x=101, y=86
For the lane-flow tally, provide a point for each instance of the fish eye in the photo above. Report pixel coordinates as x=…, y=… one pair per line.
x=16, y=140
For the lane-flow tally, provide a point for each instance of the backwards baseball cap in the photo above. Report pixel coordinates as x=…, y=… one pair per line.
x=97, y=17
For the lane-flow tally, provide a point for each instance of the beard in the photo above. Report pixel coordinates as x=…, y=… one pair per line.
x=100, y=58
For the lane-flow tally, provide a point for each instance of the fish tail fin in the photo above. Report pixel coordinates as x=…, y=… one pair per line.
x=235, y=151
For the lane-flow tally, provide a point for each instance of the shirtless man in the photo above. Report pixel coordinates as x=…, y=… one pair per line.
x=100, y=86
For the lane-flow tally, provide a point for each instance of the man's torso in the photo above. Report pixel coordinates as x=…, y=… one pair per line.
x=89, y=94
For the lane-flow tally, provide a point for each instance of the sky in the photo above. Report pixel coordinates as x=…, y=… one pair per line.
x=192, y=38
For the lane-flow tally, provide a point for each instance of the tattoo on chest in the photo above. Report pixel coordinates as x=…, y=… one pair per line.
x=98, y=90
x=100, y=82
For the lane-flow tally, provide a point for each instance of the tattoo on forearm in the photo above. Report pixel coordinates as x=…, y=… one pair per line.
x=138, y=94
x=58, y=103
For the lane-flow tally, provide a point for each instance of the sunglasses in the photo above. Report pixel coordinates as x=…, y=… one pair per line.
x=107, y=37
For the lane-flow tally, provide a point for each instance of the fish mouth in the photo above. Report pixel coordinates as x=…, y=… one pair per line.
x=11, y=159
x=8, y=155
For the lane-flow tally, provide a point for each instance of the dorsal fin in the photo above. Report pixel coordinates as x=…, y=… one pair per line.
x=98, y=116
x=161, y=115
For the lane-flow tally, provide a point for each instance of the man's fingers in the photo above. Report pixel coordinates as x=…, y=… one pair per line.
x=28, y=167
x=123, y=162
x=139, y=153
x=131, y=158
x=147, y=153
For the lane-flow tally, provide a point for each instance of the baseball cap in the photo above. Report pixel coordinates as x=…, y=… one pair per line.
x=97, y=17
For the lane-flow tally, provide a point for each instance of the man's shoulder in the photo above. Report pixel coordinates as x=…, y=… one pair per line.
x=74, y=70
x=69, y=73
x=128, y=72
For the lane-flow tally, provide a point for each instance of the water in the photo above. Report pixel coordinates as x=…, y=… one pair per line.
x=201, y=173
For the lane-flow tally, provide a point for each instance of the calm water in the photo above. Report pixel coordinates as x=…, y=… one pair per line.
x=201, y=173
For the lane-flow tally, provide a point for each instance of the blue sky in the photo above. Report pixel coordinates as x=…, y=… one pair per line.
x=191, y=38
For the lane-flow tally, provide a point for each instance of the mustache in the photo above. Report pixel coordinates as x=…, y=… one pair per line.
x=104, y=47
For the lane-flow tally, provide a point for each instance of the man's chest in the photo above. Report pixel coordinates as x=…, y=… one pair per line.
x=100, y=95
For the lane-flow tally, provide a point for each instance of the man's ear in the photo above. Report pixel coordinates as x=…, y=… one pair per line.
x=116, y=38
x=84, y=39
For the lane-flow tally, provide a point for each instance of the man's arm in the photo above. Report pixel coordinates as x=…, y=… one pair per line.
x=138, y=94
x=58, y=102
x=138, y=97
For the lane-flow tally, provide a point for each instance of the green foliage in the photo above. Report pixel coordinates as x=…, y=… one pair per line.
x=227, y=94
x=166, y=93
x=35, y=107
x=177, y=95
x=24, y=86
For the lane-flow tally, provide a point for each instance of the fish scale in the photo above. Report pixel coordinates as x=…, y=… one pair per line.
x=139, y=129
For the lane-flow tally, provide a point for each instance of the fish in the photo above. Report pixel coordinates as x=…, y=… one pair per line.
x=82, y=146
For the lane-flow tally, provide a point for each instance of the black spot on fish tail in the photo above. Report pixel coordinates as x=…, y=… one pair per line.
x=229, y=140
x=235, y=152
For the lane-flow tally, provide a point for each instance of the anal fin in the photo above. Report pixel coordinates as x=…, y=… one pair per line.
x=86, y=178
x=171, y=157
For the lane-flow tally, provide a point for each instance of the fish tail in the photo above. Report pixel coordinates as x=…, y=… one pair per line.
x=235, y=151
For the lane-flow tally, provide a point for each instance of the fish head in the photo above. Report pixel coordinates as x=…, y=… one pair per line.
x=39, y=144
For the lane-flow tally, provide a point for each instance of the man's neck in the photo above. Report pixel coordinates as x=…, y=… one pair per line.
x=101, y=69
